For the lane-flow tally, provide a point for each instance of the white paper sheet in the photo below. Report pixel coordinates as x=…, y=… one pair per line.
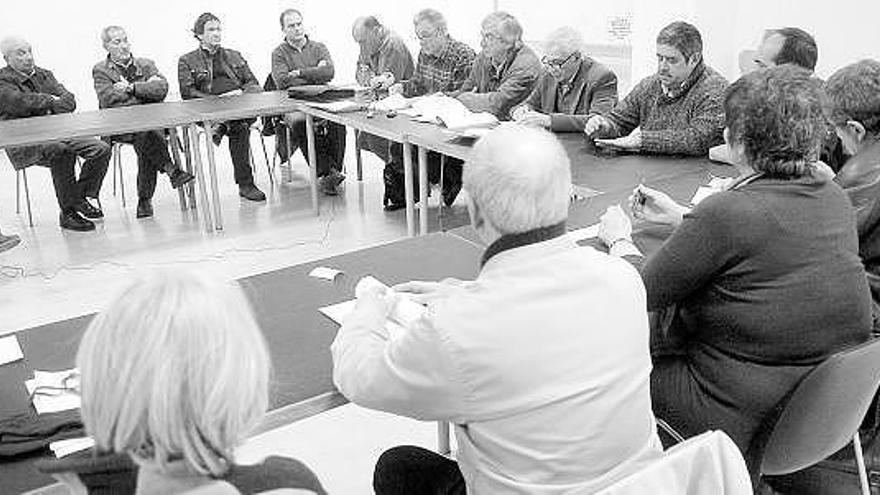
x=325, y=273
x=63, y=448
x=10, y=351
x=404, y=313
x=54, y=399
x=588, y=232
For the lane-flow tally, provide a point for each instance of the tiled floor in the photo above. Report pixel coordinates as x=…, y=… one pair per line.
x=55, y=275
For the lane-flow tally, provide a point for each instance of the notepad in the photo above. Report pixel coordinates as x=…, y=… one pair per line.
x=10, y=351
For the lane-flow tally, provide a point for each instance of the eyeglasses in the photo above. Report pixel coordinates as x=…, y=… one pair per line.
x=555, y=62
x=427, y=35
x=490, y=36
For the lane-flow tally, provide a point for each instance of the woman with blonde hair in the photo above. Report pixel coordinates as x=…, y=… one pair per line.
x=175, y=373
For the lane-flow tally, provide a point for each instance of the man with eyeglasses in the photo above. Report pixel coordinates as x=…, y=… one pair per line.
x=505, y=71
x=122, y=79
x=444, y=64
x=574, y=88
x=677, y=111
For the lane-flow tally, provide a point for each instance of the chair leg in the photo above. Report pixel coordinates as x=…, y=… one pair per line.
x=27, y=197
x=288, y=135
x=17, y=192
x=442, y=203
x=266, y=157
x=119, y=166
x=860, y=462
x=114, y=155
x=187, y=155
x=174, y=144
x=357, y=155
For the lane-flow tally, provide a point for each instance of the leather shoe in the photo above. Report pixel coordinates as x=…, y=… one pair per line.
x=8, y=242
x=250, y=191
x=217, y=132
x=144, y=208
x=180, y=177
x=71, y=220
x=88, y=211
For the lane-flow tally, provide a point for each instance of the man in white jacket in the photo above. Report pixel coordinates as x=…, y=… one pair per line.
x=541, y=363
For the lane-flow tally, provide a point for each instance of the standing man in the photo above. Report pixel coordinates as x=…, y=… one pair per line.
x=297, y=61
x=384, y=60
x=505, y=71
x=574, y=87
x=212, y=70
x=29, y=91
x=443, y=66
x=677, y=111
x=123, y=80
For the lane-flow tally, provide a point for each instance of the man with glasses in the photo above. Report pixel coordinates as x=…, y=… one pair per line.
x=443, y=66
x=677, y=111
x=574, y=88
x=505, y=71
x=121, y=80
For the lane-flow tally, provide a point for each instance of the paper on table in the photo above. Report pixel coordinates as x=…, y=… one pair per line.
x=57, y=396
x=405, y=311
x=336, y=106
x=10, y=351
x=702, y=193
x=63, y=448
x=338, y=312
x=588, y=232
x=325, y=273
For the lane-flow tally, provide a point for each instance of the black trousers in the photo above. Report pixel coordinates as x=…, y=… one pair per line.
x=239, y=132
x=61, y=159
x=408, y=470
x=153, y=157
x=393, y=175
x=329, y=143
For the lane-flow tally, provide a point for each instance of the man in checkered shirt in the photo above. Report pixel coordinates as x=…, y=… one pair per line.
x=443, y=66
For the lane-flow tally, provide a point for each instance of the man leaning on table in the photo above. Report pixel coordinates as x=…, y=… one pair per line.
x=298, y=61
x=121, y=80
x=212, y=70
x=677, y=111
x=574, y=87
x=505, y=71
x=541, y=363
x=29, y=91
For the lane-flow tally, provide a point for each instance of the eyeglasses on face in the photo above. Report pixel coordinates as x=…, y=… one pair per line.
x=557, y=62
x=490, y=36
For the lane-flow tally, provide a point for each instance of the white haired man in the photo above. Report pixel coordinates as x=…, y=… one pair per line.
x=505, y=71
x=509, y=358
x=122, y=79
x=27, y=90
x=574, y=88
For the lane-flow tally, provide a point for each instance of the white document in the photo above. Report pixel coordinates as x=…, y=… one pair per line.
x=405, y=311
x=325, y=273
x=10, y=351
x=63, y=448
x=336, y=106
x=451, y=112
x=588, y=232
x=54, y=391
x=394, y=102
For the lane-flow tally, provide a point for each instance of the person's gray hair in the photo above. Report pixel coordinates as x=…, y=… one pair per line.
x=519, y=178
x=854, y=94
x=778, y=116
x=365, y=24
x=564, y=40
x=431, y=17
x=10, y=42
x=105, y=33
x=508, y=27
x=174, y=367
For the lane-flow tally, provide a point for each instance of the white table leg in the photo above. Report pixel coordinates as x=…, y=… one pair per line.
x=313, y=161
x=200, y=177
x=212, y=169
x=408, y=188
x=443, y=438
x=423, y=190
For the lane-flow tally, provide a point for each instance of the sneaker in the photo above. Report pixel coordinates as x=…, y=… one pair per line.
x=144, y=208
x=180, y=177
x=71, y=220
x=8, y=242
x=88, y=210
x=217, y=133
x=329, y=184
x=335, y=176
x=250, y=191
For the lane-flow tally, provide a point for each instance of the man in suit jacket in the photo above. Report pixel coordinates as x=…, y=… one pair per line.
x=574, y=87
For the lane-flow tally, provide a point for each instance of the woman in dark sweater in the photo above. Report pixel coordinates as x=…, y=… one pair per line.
x=765, y=276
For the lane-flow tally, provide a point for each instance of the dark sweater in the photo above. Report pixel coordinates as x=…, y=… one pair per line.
x=286, y=58
x=687, y=123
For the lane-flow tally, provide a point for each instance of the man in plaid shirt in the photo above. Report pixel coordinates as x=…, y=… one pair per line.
x=443, y=66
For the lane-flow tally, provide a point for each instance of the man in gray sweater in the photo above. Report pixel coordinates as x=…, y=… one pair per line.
x=677, y=111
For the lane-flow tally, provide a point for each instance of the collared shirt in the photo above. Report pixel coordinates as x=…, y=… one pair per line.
x=498, y=88
x=542, y=364
x=286, y=57
x=444, y=72
x=148, y=85
x=391, y=56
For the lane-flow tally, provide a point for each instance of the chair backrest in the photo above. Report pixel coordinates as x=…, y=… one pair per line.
x=707, y=463
x=824, y=411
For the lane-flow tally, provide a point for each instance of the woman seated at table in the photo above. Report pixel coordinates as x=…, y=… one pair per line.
x=765, y=275
x=174, y=373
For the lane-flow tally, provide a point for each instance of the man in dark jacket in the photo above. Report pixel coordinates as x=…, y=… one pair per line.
x=29, y=91
x=212, y=70
x=122, y=80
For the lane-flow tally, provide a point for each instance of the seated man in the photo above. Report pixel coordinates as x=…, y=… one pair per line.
x=28, y=91
x=212, y=70
x=677, y=111
x=505, y=71
x=384, y=60
x=541, y=363
x=299, y=60
x=443, y=65
x=789, y=45
x=574, y=88
x=122, y=80
x=854, y=95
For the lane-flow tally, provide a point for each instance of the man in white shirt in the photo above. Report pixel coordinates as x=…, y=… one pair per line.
x=541, y=363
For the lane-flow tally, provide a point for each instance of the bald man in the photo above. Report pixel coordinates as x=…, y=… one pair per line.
x=27, y=90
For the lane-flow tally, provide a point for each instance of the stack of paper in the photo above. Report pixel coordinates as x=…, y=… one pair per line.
x=451, y=113
x=54, y=391
x=63, y=448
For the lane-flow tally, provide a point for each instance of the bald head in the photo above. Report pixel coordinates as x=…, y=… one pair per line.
x=17, y=53
x=519, y=179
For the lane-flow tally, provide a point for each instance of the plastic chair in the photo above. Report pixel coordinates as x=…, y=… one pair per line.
x=824, y=412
